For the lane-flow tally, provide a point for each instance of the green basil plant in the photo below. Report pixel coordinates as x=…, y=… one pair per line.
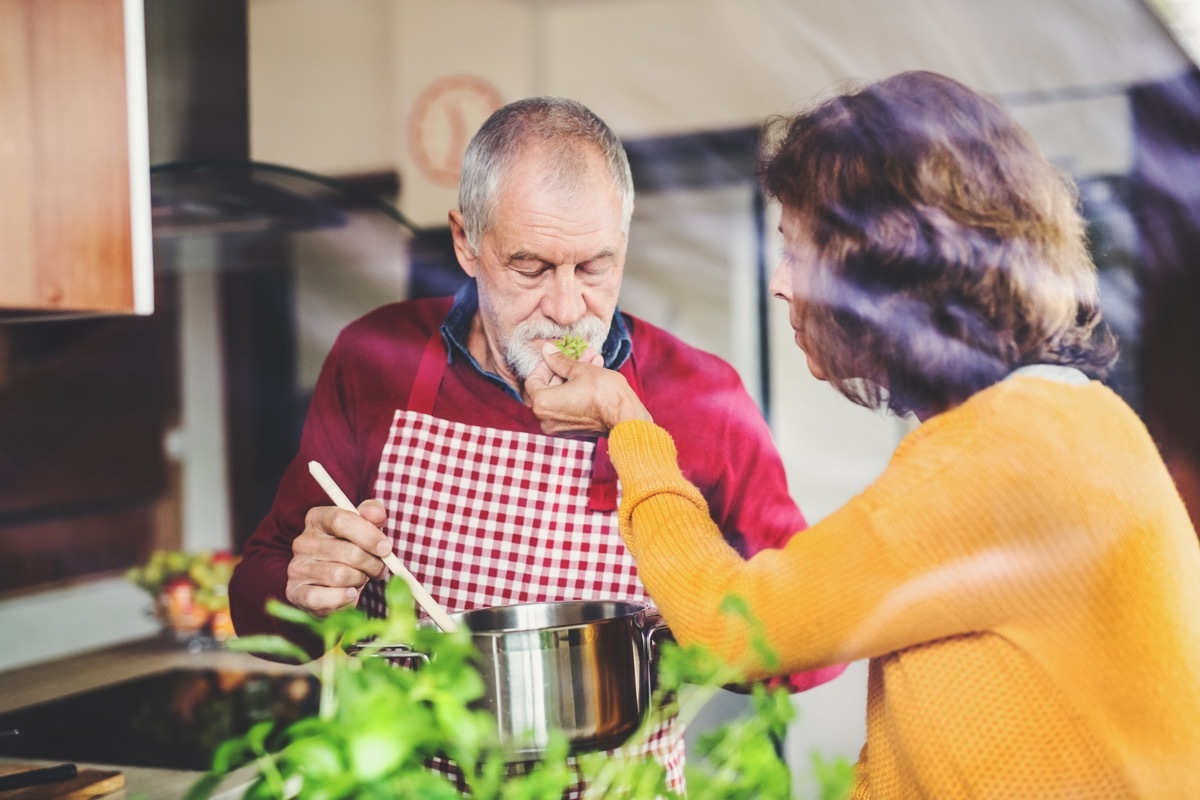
x=379, y=725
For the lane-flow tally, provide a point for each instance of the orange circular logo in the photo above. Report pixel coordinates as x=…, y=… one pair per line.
x=444, y=118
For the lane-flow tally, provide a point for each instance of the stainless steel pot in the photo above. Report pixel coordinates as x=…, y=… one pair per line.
x=582, y=667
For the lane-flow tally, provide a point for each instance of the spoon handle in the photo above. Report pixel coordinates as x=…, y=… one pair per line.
x=424, y=598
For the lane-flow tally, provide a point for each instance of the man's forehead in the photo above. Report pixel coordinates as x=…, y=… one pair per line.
x=550, y=221
x=557, y=165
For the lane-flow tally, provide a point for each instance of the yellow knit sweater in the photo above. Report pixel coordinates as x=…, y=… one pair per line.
x=1023, y=578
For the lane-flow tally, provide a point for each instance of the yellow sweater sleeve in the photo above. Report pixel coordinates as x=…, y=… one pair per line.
x=997, y=515
x=816, y=598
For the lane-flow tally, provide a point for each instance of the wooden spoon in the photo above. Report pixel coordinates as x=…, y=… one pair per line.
x=435, y=611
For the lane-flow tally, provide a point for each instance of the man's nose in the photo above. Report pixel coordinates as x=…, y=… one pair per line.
x=563, y=302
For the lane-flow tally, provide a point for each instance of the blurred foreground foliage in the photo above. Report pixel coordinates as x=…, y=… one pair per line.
x=378, y=726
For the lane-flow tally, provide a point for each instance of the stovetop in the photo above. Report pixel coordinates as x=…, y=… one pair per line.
x=173, y=720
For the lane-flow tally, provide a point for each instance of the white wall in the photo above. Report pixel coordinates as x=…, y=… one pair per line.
x=322, y=84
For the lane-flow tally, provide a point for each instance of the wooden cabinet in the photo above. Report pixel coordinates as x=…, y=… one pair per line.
x=74, y=159
x=84, y=480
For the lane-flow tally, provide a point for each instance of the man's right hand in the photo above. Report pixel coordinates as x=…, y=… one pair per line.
x=335, y=556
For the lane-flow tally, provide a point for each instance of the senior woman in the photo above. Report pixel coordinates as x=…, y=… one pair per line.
x=1023, y=575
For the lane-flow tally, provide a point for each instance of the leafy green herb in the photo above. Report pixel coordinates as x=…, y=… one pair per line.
x=572, y=346
x=738, y=759
x=835, y=776
x=378, y=725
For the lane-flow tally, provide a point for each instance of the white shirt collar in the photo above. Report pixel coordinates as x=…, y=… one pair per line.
x=1051, y=372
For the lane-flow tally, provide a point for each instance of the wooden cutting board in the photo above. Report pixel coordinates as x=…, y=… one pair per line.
x=88, y=783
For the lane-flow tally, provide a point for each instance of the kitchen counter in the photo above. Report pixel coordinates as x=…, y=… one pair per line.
x=143, y=783
x=54, y=680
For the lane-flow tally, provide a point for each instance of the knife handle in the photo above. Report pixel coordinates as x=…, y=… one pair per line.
x=35, y=777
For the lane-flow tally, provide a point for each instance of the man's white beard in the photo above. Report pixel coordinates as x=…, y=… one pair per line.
x=524, y=350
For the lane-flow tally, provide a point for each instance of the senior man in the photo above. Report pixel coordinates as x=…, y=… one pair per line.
x=420, y=406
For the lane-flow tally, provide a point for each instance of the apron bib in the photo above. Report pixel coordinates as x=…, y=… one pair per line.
x=488, y=517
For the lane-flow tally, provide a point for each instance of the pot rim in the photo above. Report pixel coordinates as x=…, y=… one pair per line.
x=622, y=609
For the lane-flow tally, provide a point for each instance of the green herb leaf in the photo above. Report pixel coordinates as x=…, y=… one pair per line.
x=835, y=776
x=269, y=646
x=572, y=346
x=205, y=786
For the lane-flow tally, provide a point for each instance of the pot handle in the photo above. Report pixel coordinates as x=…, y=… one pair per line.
x=654, y=633
x=654, y=628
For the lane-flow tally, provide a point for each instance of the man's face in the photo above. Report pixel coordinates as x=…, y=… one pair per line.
x=550, y=266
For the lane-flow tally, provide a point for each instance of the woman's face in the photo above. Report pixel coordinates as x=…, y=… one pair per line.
x=792, y=276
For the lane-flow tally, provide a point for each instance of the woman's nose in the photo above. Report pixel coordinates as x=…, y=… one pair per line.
x=778, y=287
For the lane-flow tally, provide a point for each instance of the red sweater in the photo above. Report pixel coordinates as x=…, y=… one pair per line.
x=725, y=446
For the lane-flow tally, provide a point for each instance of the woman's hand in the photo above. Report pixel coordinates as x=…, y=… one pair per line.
x=580, y=398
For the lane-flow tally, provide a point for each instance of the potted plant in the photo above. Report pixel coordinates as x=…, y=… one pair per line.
x=379, y=725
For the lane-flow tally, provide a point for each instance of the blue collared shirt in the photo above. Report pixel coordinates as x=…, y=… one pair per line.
x=457, y=327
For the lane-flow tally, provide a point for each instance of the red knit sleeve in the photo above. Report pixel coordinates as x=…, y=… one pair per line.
x=328, y=437
x=753, y=487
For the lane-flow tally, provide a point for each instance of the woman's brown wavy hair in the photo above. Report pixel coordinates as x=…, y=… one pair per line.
x=950, y=249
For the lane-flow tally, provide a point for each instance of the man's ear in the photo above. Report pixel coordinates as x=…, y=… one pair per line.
x=462, y=249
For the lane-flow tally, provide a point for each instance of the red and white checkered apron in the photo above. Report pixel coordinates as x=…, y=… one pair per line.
x=487, y=517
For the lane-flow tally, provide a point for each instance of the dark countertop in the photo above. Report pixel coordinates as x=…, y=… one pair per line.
x=54, y=680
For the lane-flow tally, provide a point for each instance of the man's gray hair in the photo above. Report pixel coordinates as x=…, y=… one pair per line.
x=553, y=121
